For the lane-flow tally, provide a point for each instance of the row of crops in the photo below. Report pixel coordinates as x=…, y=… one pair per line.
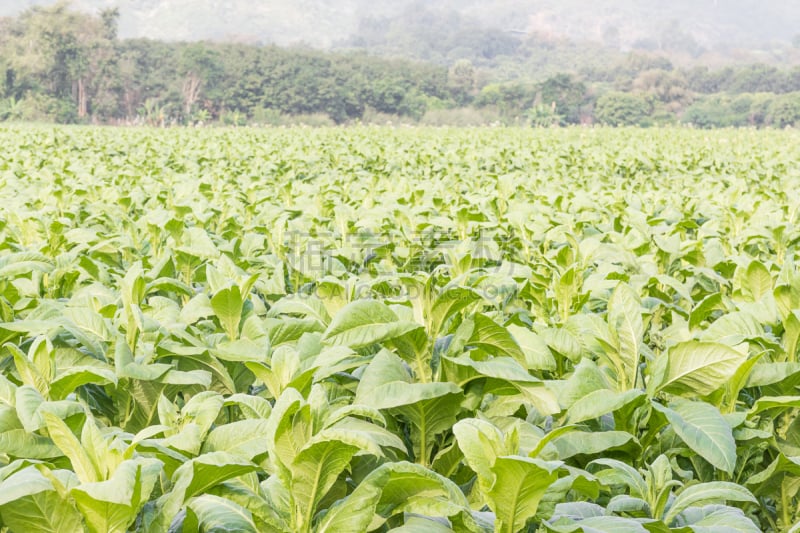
x=353, y=330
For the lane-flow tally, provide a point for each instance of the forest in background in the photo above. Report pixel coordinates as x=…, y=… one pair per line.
x=61, y=64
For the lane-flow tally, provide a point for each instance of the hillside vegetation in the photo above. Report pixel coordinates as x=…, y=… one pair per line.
x=67, y=66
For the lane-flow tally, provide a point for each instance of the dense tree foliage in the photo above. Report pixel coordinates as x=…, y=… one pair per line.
x=623, y=109
x=64, y=66
x=69, y=67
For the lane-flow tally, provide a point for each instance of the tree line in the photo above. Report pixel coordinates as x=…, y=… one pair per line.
x=70, y=67
x=65, y=66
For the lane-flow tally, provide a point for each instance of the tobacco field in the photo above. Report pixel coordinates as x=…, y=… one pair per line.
x=406, y=330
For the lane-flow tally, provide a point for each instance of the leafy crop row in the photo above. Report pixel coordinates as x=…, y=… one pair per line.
x=373, y=330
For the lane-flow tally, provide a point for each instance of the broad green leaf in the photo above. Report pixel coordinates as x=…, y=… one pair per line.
x=244, y=438
x=391, y=489
x=537, y=354
x=285, y=370
x=430, y=408
x=365, y=322
x=290, y=330
x=791, y=335
x=715, y=518
x=197, y=243
x=481, y=443
x=585, y=379
x=289, y=427
x=601, y=402
x=356, y=511
x=412, y=488
x=212, y=513
x=494, y=339
x=240, y=351
x=278, y=499
x=733, y=328
x=622, y=503
x=619, y=473
x=308, y=306
x=502, y=368
x=138, y=400
x=25, y=482
x=706, y=493
x=585, y=443
x=21, y=443
x=105, y=459
x=625, y=322
x=774, y=402
x=769, y=479
x=548, y=438
x=252, y=407
x=66, y=382
x=704, y=309
x=314, y=471
x=29, y=502
x=758, y=280
x=28, y=371
x=600, y=524
x=773, y=373
x=738, y=382
x=699, y=368
x=519, y=485
x=566, y=288
x=416, y=524
x=704, y=430
x=227, y=305
x=202, y=409
x=196, y=308
x=564, y=341
x=15, y=264
x=448, y=303
x=7, y=392
x=42, y=354
x=30, y=407
x=192, y=478
x=112, y=506
x=787, y=294
x=370, y=434
x=69, y=444
x=576, y=511
x=259, y=499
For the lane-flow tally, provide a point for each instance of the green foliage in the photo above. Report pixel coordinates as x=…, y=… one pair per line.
x=623, y=109
x=558, y=100
x=722, y=111
x=308, y=330
x=784, y=111
x=76, y=68
x=65, y=66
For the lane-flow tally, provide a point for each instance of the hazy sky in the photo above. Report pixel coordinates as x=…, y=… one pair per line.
x=324, y=22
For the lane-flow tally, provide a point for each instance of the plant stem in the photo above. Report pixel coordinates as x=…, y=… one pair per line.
x=785, y=515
